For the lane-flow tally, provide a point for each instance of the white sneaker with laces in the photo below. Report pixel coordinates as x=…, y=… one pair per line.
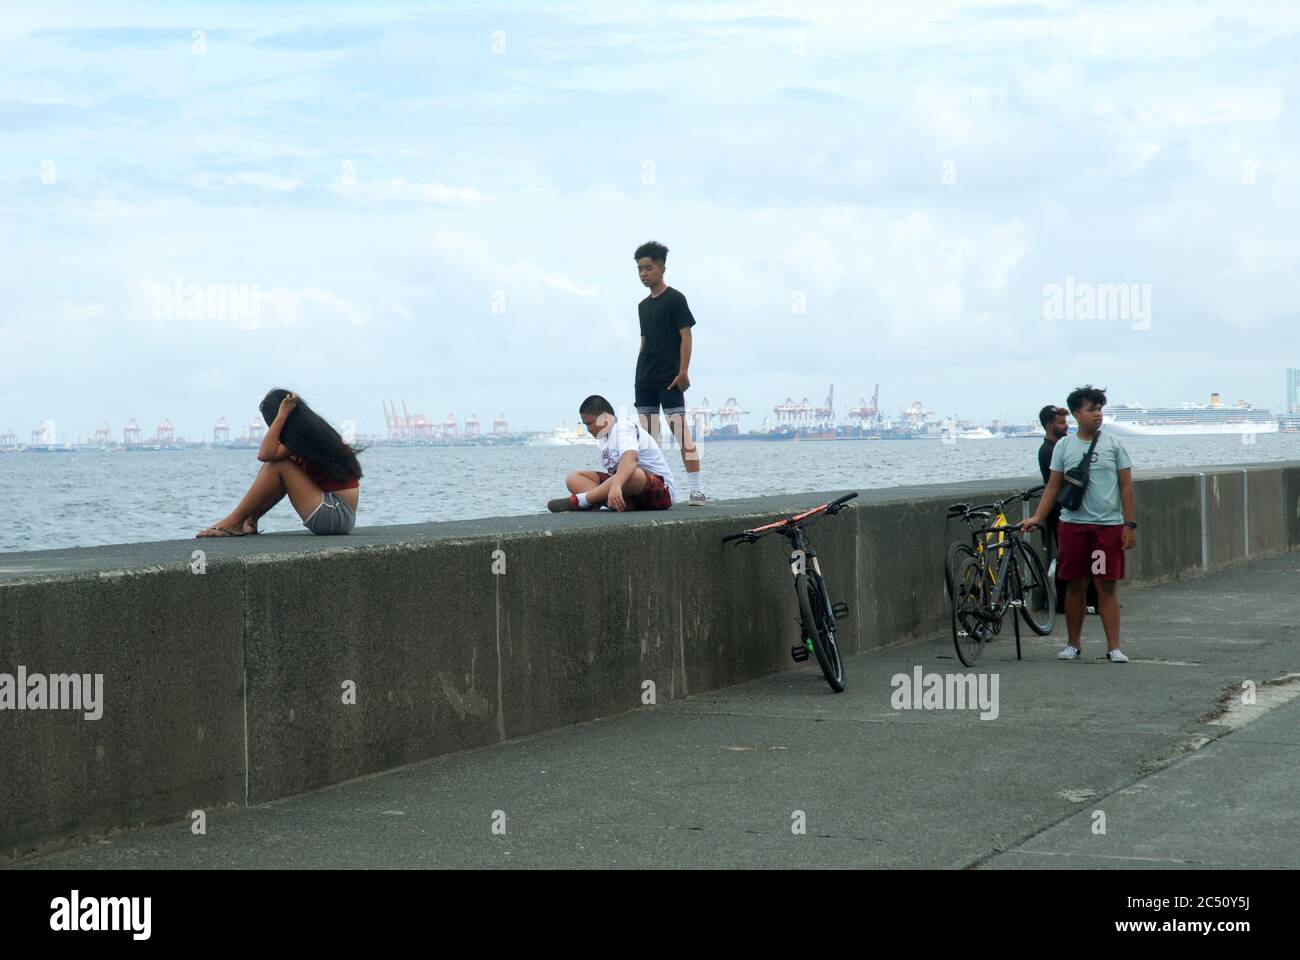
x=1116, y=656
x=1069, y=653
x=697, y=498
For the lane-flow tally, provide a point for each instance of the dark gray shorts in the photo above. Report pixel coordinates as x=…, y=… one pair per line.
x=648, y=400
x=332, y=516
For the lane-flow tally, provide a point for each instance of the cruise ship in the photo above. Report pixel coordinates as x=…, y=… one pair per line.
x=1135, y=420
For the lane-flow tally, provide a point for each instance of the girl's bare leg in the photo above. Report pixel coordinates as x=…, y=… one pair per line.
x=258, y=511
x=273, y=482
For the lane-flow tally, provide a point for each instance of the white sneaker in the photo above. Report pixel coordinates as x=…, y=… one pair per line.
x=1069, y=653
x=1116, y=656
x=1092, y=611
x=697, y=498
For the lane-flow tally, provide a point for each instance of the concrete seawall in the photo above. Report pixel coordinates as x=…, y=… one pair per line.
x=229, y=678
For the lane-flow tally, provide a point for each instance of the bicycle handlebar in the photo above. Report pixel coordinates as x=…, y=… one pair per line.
x=965, y=509
x=829, y=509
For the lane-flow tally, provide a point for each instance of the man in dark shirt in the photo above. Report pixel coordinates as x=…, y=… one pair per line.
x=662, y=365
x=1052, y=418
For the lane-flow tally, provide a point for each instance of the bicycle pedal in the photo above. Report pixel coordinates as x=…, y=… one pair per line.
x=841, y=610
x=799, y=652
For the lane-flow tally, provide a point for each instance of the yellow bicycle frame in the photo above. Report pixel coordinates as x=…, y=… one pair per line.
x=997, y=541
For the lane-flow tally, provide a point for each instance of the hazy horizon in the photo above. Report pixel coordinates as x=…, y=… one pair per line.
x=378, y=427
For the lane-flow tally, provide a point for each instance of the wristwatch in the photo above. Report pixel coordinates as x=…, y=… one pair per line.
x=1131, y=524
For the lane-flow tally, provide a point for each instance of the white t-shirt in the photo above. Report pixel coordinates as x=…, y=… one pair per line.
x=627, y=435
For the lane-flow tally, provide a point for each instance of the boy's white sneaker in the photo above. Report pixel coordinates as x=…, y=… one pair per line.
x=1069, y=653
x=1116, y=656
x=697, y=498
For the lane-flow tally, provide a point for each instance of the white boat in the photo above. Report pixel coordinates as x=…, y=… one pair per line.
x=562, y=436
x=1189, y=419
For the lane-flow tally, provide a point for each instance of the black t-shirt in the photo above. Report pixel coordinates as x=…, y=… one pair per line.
x=662, y=320
x=1045, y=460
x=1045, y=468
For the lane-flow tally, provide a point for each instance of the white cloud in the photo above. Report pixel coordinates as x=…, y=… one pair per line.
x=471, y=251
x=402, y=190
x=79, y=312
x=264, y=180
x=557, y=281
x=289, y=306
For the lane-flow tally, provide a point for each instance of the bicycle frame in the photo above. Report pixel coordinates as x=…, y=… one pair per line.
x=997, y=527
x=817, y=615
x=792, y=528
x=800, y=555
x=977, y=537
x=1006, y=548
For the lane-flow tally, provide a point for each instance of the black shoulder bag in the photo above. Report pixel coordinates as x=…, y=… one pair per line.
x=1076, y=479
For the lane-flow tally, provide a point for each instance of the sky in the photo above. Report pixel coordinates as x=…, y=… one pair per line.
x=439, y=203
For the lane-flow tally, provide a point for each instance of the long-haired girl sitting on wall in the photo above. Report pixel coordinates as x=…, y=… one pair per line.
x=304, y=458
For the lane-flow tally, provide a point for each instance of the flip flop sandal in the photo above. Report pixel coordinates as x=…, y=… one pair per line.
x=225, y=532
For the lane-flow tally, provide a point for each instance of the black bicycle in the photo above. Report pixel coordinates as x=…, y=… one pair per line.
x=998, y=570
x=817, y=615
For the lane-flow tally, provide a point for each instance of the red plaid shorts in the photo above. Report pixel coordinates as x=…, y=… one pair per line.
x=653, y=496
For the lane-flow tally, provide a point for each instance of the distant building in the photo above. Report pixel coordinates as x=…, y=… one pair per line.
x=1293, y=390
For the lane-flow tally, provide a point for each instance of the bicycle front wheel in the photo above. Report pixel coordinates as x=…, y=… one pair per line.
x=1038, y=592
x=819, y=631
x=970, y=632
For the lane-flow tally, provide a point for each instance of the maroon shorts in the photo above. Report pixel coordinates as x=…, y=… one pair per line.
x=1090, y=550
x=653, y=496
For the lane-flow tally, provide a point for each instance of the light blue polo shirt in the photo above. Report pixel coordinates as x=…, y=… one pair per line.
x=1101, y=503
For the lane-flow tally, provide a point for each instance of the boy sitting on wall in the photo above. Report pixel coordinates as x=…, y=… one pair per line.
x=636, y=474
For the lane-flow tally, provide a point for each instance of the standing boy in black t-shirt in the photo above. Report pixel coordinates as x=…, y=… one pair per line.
x=662, y=364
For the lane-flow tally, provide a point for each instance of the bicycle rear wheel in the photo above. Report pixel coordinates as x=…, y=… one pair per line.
x=970, y=632
x=1038, y=592
x=820, y=631
x=957, y=552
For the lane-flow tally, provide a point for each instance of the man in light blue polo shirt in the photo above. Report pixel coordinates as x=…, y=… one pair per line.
x=1093, y=538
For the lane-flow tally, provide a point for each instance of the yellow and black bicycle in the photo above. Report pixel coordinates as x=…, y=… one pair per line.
x=993, y=572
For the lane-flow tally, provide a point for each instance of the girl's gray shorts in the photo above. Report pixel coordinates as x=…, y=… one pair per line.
x=333, y=515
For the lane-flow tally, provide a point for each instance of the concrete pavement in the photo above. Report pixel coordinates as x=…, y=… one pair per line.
x=720, y=779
